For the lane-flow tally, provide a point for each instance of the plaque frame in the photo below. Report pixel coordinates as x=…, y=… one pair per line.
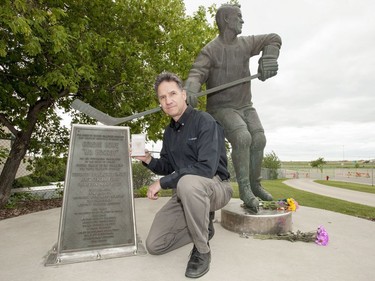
x=83, y=222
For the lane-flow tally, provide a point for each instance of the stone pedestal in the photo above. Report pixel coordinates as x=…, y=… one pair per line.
x=238, y=219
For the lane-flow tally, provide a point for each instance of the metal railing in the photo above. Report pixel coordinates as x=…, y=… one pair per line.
x=357, y=175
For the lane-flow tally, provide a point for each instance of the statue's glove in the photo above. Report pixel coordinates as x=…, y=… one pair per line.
x=192, y=88
x=268, y=65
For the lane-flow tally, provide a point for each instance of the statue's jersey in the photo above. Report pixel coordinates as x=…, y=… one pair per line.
x=220, y=63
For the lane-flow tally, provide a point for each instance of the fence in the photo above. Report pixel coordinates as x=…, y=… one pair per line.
x=357, y=175
x=55, y=190
x=22, y=170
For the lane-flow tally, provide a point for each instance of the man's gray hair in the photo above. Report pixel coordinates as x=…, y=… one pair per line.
x=169, y=77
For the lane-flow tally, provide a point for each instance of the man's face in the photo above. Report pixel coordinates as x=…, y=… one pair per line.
x=172, y=99
x=234, y=20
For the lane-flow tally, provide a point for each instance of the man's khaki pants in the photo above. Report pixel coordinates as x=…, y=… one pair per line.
x=185, y=217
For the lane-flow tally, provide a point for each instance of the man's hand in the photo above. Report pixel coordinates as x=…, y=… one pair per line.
x=146, y=159
x=153, y=190
x=268, y=65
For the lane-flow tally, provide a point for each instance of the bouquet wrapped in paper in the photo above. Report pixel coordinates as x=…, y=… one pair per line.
x=288, y=204
x=320, y=236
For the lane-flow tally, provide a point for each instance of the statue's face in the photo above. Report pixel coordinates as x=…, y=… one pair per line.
x=234, y=20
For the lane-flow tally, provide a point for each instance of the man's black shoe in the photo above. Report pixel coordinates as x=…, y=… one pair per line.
x=211, y=229
x=198, y=265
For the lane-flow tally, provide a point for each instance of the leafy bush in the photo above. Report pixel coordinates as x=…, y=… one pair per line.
x=47, y=169
x=25, y=181
x=271, y=162
x=142, y=192
x=4, y=152
x=141, y=175
x=20, y=196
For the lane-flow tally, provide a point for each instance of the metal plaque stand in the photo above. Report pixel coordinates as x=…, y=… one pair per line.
x=97, y=217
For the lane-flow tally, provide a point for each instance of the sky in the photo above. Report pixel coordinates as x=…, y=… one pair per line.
x=322, y=101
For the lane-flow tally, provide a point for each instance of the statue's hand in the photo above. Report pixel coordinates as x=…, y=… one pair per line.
x=268, y=67
x=192, y=88
x=192, y=99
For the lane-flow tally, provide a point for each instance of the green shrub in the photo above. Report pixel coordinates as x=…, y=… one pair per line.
x=20, y=196
x=47, y=169
x=142, y=192
x=25, y=181
x=272, y=162
x=141, y=175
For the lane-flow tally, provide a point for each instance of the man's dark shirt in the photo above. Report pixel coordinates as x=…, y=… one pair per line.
x=194, y=145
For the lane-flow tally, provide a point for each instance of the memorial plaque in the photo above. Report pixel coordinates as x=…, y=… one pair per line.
x=97, y=218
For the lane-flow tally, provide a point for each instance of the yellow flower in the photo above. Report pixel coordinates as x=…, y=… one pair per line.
x=291, y=205
x=288, y=204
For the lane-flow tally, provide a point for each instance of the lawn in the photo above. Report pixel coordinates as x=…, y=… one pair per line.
x=281, y=191
x=348, y=185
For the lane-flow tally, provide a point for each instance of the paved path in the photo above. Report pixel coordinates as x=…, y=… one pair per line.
x=335, y=192
x=349, y=256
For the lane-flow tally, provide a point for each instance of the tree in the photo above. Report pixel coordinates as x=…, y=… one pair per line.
x=318, y=163
x=105, y=52
x=272, y=162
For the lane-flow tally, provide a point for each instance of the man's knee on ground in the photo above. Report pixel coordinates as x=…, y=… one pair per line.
x=153, y=247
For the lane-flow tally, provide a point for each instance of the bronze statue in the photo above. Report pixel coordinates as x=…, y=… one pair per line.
x=225, y=59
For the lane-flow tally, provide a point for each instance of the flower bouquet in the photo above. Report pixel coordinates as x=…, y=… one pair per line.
x=288, y=204
x=320, y=236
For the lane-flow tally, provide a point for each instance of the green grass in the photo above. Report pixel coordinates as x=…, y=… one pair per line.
x=304, y=198
x=308, y=199
x=348, y=185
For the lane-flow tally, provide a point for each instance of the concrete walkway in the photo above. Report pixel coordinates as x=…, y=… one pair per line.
x=349, y=255
x=335, y=192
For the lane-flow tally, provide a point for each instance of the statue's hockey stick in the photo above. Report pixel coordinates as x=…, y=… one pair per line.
x=111, y=121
